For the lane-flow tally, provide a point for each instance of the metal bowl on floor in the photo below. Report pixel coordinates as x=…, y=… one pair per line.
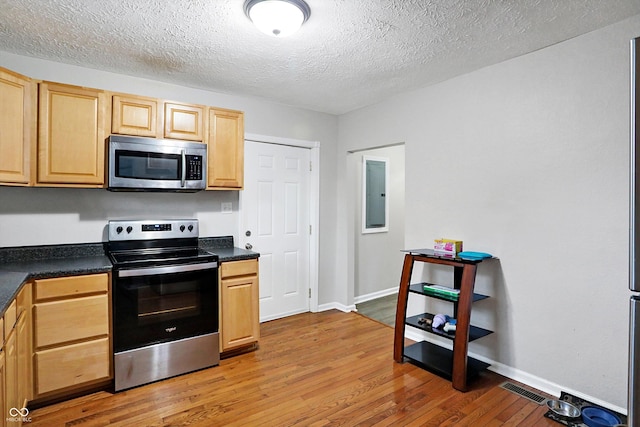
x=564, y=410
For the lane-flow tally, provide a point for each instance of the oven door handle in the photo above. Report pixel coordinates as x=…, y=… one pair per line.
x=152, y=271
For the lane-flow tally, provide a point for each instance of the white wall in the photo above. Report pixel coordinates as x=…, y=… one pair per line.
x=528, y=160
x=377, y=255
x=34, y=216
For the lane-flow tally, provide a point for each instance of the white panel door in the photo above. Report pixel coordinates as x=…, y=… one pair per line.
x=275, y=211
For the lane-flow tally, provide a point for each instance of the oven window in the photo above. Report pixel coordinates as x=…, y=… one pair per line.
x=166, y=307
x=143, y=165
x=160, y=302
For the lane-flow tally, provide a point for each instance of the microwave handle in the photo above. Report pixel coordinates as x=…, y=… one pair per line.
x=184, y=169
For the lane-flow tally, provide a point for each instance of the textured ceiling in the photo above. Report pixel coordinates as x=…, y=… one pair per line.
x=350, y=53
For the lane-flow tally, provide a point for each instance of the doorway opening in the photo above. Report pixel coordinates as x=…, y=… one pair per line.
x=377, y=260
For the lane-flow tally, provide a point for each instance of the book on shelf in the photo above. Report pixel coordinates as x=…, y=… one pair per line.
x=442, y=291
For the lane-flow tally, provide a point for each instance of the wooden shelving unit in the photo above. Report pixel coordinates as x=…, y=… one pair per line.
x=455, y=364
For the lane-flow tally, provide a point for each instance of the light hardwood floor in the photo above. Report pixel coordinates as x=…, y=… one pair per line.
x=313, y=369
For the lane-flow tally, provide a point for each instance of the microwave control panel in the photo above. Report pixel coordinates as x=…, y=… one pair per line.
x=194, y=167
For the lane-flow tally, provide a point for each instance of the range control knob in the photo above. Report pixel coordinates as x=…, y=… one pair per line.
x=129, y=229
x=119, y=229
x=190, y=227
x=182, y=228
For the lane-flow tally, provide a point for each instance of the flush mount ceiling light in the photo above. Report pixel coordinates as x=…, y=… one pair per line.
x=278, y=18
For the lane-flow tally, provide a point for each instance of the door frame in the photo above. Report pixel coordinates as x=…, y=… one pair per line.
x=314, y=205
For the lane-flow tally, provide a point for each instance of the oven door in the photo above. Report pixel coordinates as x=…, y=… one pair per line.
x=160, y=304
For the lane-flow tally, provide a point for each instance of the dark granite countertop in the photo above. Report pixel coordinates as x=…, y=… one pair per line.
x=21, y=264
x=223, y=247
x=10, y=284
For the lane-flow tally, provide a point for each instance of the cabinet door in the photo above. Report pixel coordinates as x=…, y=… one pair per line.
x=18, y=124
x=183, y=121
x=225, y=160
x=3, y=391
x=11, y=373
x=240, y=316
x=23, y=342
x=25, y=378
x=135, y=115
x=72, y=130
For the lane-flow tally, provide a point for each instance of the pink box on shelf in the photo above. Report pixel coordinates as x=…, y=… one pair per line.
x=447, y=246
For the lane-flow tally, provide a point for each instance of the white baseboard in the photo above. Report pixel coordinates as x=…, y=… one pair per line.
x=542, y=384
x=534, y=381
x=337, y=306
x=374, y=295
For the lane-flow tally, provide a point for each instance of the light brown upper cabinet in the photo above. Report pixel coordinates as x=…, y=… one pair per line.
x=17, y=128
x=136, y=115
x=184, y=121
x=225, y=162
x=73, y=124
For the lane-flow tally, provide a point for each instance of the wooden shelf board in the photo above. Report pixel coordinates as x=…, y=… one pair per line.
x=439, y=360
x=475, y=332
x=416, y=288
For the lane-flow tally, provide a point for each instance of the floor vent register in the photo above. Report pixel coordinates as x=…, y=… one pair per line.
x=534, y=397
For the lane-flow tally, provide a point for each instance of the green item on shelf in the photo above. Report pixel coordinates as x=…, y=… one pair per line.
x=442, y=291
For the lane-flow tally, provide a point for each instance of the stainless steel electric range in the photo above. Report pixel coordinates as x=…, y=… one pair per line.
x=165, y=301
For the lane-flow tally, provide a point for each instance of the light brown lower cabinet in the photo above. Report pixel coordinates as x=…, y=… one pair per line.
x=25, y=378
x=16, y=358
x=11, y=373
x=239, y=305
x=25, y=347
x=3, y=397
x=71, y=329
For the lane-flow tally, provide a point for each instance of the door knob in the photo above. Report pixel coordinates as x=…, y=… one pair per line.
x=248, y=246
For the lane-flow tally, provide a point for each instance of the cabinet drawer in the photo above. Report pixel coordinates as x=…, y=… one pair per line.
x=71, y=286
x=10, y=318
x=68, y=320
x=239, y=268
x=72, y=365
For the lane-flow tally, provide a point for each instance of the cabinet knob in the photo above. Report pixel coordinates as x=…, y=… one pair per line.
x=248, y=246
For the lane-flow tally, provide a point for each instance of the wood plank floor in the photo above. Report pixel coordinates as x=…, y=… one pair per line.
x=313, y=369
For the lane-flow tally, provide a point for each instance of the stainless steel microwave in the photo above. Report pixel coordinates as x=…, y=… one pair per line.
x=148, y=164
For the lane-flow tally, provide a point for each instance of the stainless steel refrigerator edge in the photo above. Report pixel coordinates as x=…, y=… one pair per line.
x=634, y=242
